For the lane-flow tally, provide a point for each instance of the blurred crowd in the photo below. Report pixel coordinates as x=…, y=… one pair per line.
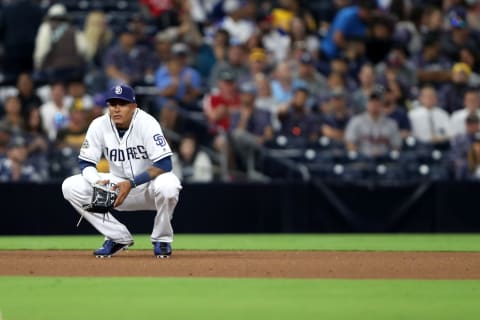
x=249, y=90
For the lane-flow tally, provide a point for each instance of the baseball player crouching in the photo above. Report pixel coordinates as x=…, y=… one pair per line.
x=140, y=164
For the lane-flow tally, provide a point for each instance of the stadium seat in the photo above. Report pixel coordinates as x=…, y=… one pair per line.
x=78, y=18
x=75, y=5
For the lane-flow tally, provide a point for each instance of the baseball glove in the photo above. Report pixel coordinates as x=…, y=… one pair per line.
x=103, y=198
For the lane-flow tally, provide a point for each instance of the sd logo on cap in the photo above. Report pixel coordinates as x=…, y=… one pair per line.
x=123, y=92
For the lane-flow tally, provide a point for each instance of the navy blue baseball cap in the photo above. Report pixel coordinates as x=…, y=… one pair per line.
x=122, y=92
x=458, y=17
x=227, y=74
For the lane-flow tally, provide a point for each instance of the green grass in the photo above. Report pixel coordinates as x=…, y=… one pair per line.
x=27, y=298
x=59, y=298
x=361, y=242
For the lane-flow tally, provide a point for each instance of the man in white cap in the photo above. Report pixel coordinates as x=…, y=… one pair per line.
x=60, y=50
x=236, y=21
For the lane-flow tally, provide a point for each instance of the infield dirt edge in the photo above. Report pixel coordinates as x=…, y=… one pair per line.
x=246, y=264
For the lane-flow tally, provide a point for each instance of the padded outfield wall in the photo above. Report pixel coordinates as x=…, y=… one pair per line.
x=265, y=208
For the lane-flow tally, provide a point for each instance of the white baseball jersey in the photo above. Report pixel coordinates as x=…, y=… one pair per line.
x=141, y=145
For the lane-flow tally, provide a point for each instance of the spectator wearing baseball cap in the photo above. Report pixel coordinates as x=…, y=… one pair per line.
x=163, y=42
x=257, y=63
x=400, y=66
x=451, y=95
x=432, y=66
x=15, y=166
x=307, y=73
x=250, y=129
x=470, y=57
x=257, y=55
x=462, y=67
x=371, y=133
x=236, y=21
x=459, y=35
x=334, y=123
x=177, y=81
x=265, y=100
x=284, y=14
x=180, y=86
x=462, y=143
x=236, y=60
x=227, y=74
x=218, y=104
x=180, y=49
x=60, y=50
x=127, y=62
x=282, y=83
x=17, y=142
x=298, y=122
x=368, y=81
x=275, y=41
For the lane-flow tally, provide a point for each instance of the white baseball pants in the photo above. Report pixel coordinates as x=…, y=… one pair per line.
x=160, y=194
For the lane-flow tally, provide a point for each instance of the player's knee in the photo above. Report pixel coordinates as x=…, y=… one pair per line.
x=167, y=187
x=168, y=192
x=72, y=186
x=67, y=188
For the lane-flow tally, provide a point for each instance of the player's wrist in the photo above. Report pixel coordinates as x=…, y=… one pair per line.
x=132, y=183
x=140, y=179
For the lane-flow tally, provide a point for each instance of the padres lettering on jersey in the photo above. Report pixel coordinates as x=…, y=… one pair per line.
x=131, y=153
x=141, y=145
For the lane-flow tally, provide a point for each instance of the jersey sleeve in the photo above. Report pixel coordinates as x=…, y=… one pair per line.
x=92, y=146
x=155, y=142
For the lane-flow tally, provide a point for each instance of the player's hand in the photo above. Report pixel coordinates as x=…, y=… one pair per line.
x=124, y=188
x=103, y=182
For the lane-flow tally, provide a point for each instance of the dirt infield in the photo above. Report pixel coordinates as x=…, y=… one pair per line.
x=240, y=264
